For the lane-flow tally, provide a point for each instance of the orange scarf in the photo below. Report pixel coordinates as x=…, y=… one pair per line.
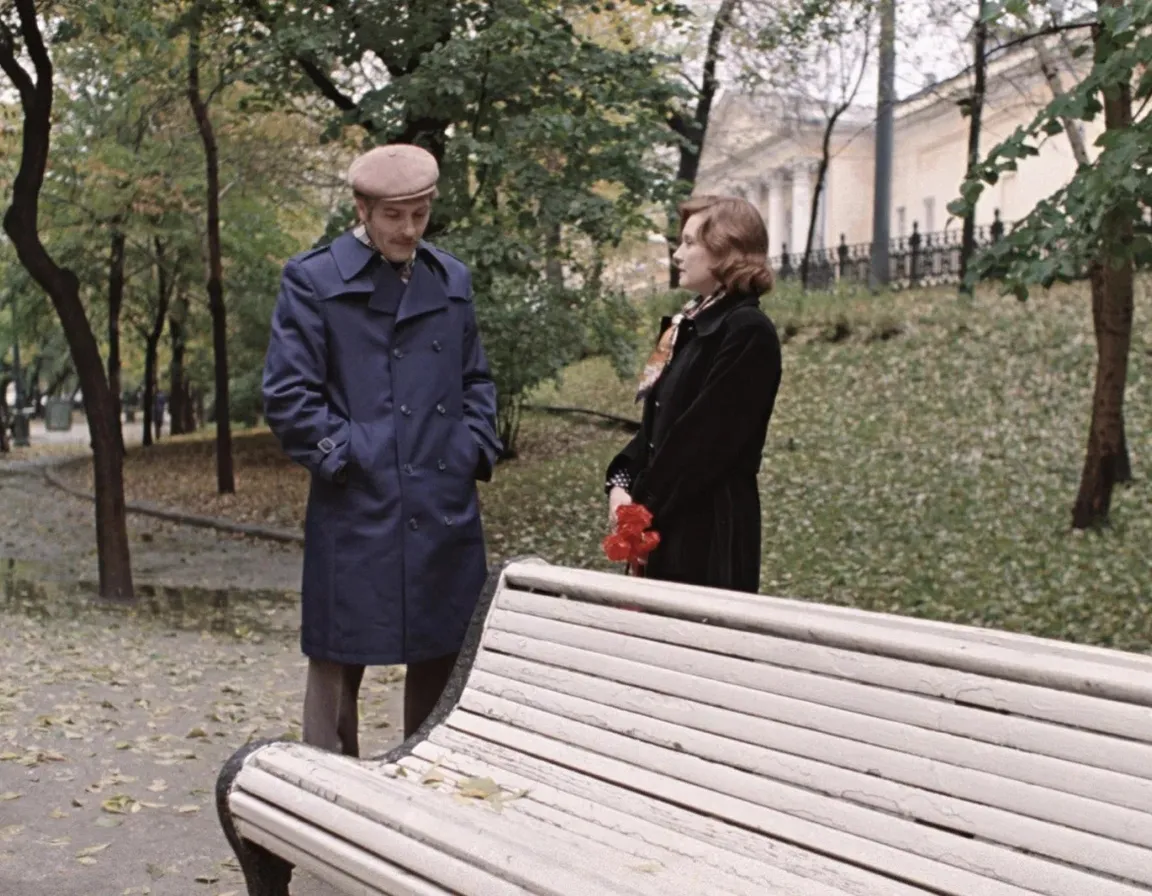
x=662, y=354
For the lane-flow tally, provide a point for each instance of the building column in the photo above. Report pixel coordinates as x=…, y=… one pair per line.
x=801, y=209
x=776, y=235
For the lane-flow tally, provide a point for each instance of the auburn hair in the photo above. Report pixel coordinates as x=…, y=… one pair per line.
x=733, y=232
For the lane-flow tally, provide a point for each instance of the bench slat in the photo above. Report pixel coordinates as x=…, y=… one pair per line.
x=578, y=791
x=347, y=867
x=815, y=760
x=523, y=725
x=952, y=874
x=559, y=863
x=794, y=615
x=364, y=831
x=869, y=697
x=579, y=584
x=525, y=705
x=649, y=843
x=1056, y=774
x=892, y=671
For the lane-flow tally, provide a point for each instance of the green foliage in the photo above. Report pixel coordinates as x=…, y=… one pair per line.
x=549, y=147
x=532, y=330
x=1064, y=236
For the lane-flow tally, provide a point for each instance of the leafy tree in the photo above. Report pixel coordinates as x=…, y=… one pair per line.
x=547, y=142
x=21, y=36
x=1096, y=224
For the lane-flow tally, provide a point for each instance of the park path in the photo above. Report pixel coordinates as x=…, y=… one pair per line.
x=114, y=724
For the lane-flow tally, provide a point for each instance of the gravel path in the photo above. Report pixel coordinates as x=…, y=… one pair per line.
x=114, y=723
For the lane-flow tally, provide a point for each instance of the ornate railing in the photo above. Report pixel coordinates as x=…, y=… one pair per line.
x=928, y=259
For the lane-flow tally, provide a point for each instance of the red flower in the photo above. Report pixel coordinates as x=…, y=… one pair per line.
x=632, y=519
x=632, y=541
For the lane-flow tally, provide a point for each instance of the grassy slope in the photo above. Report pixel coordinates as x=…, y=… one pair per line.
x=929, y=474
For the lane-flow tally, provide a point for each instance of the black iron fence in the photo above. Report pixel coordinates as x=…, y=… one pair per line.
x=928, y=259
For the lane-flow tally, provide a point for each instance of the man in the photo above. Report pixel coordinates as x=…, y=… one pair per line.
x=376, y=381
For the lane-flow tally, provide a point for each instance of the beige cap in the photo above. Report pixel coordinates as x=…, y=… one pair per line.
x=395, y=172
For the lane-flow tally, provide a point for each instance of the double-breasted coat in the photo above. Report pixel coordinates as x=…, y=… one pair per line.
x=695, y=460
x=382, y=390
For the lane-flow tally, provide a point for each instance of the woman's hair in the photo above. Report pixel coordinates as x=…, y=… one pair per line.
x=732, y=230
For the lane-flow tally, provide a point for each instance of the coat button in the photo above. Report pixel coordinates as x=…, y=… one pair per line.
x=396, y=353
x=448, y=521
x=441, y=466
x=436, y=346
x=441, y=410
x=408, y=469
x=413, y=524
x=405, y=410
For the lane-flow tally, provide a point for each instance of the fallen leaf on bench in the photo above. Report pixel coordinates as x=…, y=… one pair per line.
x=432, y=776
x=10, y=795
x=478, y=788
x=92, y=850
x=187, y=810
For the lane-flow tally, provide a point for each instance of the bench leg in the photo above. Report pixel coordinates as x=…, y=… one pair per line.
x=265, y=874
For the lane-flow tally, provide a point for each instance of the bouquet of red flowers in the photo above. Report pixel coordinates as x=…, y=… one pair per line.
x=632, y=541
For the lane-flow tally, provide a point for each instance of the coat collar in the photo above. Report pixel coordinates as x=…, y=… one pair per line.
x=361, y=271
x=352, y=257
x=709, y=320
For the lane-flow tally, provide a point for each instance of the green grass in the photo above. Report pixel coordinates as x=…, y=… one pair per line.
x=922, y=463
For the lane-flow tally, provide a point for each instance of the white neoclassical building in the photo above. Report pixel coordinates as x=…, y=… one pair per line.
x=768, y=150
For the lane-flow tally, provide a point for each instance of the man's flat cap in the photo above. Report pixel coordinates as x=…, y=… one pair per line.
x=396, y=172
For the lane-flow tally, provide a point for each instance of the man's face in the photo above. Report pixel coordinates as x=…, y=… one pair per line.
x=395, y=227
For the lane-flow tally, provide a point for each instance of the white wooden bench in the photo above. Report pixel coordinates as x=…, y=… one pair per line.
x=721, y=743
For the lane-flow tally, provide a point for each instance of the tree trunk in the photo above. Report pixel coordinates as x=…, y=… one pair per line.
x=1112, y=312
x=177, y=375
x=553, y=266
x=21, y=223
x=818, y=191
x=693, y=132
x=225, y=478
x=115, y=305
x=152, y=340
x=1051, y=71
x=975, y=117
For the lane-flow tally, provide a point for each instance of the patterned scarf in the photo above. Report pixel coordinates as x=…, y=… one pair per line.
x=662, y=354
x=403, y=268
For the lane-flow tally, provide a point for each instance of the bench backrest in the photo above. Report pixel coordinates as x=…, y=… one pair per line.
x=969, y=760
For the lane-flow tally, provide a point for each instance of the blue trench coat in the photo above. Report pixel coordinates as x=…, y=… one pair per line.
x=383, y=392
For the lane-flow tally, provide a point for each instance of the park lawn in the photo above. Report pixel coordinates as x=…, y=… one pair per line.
x=923, y=459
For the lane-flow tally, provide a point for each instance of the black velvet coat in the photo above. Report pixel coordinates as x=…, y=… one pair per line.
x=695, y=460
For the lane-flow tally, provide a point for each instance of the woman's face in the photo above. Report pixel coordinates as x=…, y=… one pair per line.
x=695, y=262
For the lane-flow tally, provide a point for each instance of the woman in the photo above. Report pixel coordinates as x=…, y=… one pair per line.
x=708, y=393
